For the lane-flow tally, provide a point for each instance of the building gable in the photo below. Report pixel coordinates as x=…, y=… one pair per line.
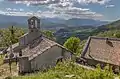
x=103, y=49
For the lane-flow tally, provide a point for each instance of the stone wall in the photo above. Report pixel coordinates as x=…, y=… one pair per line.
x=48, y=58
x=29, y=38
x=24, y=65
x=66, y=53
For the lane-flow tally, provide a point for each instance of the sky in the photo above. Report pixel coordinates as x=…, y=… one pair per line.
x=63, y=9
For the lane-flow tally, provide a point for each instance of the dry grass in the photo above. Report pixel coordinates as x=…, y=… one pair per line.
x=5, y=69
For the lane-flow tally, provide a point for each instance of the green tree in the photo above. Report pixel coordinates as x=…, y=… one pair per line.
x=49, y=34
x=10, y=35
x=73, y=44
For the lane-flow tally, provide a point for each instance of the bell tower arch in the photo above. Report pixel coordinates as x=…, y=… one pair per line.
x=34, y=24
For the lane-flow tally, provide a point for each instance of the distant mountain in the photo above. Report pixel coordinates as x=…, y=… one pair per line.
x=112, y=25
x=13, y=19
x=56, y=23
x=6, y=21
x=85, y=22
x=75, y=22
x=55, y=20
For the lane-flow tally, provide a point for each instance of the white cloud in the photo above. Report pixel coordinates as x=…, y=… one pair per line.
x=44, y=2
x=74, y=12
x=8, y=9
x=59, y=8
x=14, y=9
x=13, y=13
x=21, y=9
x=109, y=6
x=97, y=1
x=61, y=13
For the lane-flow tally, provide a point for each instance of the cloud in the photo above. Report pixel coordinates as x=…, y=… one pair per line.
x=73, y=12
x=64, y=9
x=63, y=13
x=15, y=13
x=8, y=9
x=109, y=6
x=35, y=3
x=14, y=9
x=97, y=1
x=46, y=2
x=21, y=9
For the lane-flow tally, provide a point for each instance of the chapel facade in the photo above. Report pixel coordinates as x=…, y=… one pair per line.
x=35, y=51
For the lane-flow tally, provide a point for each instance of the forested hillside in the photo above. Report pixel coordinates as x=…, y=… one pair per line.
x=83, y=32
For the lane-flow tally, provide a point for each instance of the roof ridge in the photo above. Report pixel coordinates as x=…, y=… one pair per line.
x=104, y=38
x=49, y=40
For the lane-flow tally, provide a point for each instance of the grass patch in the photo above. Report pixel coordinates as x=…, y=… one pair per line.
x=69, y=70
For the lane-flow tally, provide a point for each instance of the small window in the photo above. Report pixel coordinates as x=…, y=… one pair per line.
x=31, y=30
x=20, y=53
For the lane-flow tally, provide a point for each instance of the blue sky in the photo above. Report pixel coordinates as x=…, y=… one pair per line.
x=64, y=9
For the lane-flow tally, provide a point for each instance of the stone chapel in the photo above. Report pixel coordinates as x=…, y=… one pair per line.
x=35, y=51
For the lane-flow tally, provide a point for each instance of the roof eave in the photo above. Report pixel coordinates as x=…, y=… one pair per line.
x=86, y=47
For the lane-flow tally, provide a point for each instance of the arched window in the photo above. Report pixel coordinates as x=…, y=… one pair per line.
x=32, y=23
x=36, y=23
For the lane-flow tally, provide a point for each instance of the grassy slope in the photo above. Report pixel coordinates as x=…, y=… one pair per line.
x=69, y=70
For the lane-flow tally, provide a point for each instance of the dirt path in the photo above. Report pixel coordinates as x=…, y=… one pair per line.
x=5, y=70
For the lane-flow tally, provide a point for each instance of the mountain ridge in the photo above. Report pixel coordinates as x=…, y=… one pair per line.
x=6, y=21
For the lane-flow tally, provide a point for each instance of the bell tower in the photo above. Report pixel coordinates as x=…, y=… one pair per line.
x=34, y=24
x=33, y=33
